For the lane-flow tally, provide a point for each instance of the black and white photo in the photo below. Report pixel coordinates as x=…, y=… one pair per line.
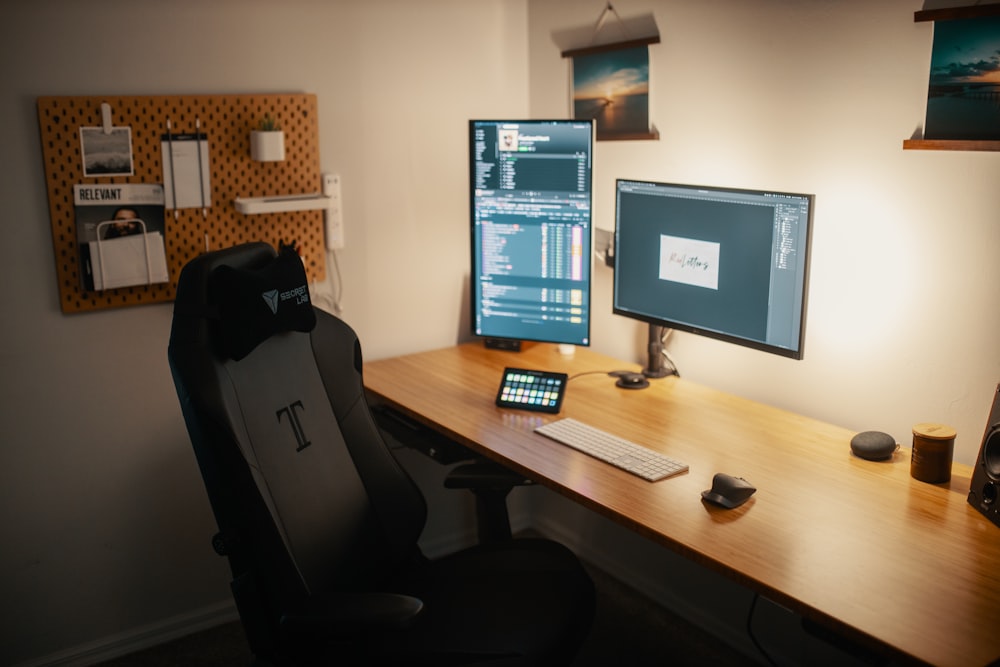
x=106, y=153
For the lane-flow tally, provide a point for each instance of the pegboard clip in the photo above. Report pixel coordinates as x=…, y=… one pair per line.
x=106, y=117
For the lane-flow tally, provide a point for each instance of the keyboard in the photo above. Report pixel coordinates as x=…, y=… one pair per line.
x=619, y=452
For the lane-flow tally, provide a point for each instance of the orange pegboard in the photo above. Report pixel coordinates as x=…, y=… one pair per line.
x=226, y=120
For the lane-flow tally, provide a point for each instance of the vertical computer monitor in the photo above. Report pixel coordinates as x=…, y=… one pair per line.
x=726, y=263
x=530, y=192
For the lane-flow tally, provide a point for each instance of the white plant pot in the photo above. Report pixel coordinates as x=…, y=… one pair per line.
x=267, y=146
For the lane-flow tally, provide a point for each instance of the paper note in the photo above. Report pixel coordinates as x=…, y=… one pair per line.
x=187, y=180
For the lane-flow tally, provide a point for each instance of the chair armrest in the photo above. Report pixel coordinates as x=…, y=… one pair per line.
x=345, y=614
x=490, y=483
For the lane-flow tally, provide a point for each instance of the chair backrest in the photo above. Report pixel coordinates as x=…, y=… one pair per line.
x=307, y=496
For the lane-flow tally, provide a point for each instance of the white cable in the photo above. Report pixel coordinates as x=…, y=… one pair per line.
x=663, y=349
x=333, y=293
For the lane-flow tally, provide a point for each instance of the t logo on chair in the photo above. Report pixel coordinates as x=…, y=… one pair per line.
x=293, y=418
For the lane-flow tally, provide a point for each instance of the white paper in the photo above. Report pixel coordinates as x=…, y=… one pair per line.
x=138, y=259
x=186, y=178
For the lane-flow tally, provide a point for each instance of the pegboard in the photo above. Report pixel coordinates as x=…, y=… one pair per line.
x=226, y=120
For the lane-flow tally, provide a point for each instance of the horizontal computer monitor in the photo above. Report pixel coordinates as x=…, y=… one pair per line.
x=727, y=263
x=530, y=194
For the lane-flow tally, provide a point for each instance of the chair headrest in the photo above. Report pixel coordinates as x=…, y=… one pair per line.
x=256, y=303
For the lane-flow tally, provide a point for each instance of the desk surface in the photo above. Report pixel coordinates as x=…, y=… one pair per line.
x=858, y=546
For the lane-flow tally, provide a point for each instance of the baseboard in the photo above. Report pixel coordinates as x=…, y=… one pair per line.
x=139, y=638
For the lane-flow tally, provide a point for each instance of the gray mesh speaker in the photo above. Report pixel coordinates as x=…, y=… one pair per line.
x=985, y=489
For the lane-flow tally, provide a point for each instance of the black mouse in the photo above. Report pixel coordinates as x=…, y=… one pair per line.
x=632, y=381
x=728, y=491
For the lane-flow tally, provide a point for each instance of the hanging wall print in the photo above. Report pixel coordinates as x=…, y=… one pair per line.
x=963, y=94
x=610, y=77
x=612, y=87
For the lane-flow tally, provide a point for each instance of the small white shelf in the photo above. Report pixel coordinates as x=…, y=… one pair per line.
x=282, y=203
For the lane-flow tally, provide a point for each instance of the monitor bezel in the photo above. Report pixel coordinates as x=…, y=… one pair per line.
x=688, y=327
x=511, y=342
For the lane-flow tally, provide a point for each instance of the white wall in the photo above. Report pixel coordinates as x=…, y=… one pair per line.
x=806, y=96
x=106, y=521
x=815, y=96
x=104, y=511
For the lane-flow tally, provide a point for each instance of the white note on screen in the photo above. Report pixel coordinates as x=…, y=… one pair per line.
x=689, y=261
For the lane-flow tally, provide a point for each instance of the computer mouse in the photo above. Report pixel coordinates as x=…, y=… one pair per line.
x=728, y=491
x=632, y=381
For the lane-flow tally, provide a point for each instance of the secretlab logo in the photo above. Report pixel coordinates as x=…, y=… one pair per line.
x=292, y=412
x=273, y=298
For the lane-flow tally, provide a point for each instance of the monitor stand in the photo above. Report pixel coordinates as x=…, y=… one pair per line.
x=503, y=344
x=654, y=365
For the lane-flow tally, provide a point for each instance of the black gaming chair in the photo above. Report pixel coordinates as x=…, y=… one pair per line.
x=316, y=517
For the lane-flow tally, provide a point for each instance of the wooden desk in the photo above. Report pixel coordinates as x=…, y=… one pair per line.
x=857, y=546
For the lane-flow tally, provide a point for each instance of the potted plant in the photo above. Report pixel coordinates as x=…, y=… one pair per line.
x=267, y=142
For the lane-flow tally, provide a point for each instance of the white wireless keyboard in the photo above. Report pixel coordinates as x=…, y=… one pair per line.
x=619, y=452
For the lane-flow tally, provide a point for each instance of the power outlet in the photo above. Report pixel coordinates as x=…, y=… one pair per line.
x=334, y=213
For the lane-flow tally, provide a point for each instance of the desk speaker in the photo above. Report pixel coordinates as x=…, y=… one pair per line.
x=985, y=489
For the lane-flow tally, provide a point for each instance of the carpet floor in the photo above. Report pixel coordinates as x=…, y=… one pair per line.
x=629, y=629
